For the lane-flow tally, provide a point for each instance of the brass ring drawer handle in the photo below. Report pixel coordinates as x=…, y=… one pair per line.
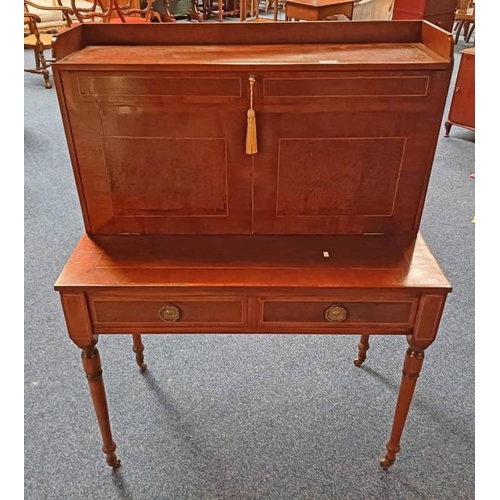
x=335, y=314
x=170, y=313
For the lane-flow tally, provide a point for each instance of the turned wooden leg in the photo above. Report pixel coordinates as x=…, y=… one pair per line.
x=466, y=30
x=363, y=346
x=411, y=370
x=37, y=60
x=447, y=128
x=194, y=13
x=459, y=29
x=473, y=27
x=41, y=65
x=45, y=72
x=92, y=365
x=207, y=9
x=139, y=349
x=46, y=77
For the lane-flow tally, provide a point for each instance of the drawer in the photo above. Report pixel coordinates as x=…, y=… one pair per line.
x=168, y=311
x=278, y=89
x=333, y=312
x=345, y=91
x=139, y=87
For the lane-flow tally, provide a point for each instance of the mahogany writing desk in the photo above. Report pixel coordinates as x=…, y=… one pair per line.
x=200, y=219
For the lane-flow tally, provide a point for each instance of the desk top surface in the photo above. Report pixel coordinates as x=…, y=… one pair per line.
x=276, y=54
x=253, y=261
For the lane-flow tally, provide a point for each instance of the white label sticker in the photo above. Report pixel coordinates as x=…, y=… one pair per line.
x=326, y=255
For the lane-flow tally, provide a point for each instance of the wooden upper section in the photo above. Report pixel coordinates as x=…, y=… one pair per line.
x=348, y=117
x=381, y=43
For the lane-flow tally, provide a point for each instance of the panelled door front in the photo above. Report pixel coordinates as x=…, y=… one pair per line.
x=345, y=153
x=162, y=152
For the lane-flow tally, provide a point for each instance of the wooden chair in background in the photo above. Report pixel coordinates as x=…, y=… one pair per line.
x=116, y=11
x=270, y=4
x=220, y=8
x=252, y=7
x=180, y=8
x=51, y=19
x=39, y=42
x=465, y=18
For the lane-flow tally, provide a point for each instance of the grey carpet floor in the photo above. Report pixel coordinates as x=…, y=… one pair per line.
x=242, y=417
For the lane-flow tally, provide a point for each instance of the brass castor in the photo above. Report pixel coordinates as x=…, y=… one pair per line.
x=115, y=464
x=385, y=463
x=363, y=346
x=358, y=362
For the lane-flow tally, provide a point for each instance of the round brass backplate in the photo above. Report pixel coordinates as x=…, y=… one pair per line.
x=335, y=314
x=170, y=313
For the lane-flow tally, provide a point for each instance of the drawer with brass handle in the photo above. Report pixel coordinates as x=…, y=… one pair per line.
x=335, y=314
x=170, y=313
x=165, y=312
x=331, y=313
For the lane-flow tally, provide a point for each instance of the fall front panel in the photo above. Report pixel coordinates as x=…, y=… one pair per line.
x=344, y=152
x=159, y=154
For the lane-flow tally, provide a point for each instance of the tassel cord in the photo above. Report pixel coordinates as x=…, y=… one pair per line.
x=251, y=139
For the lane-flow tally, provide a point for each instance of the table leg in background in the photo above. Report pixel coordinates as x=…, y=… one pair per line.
x=363, y=346
x=139, y=349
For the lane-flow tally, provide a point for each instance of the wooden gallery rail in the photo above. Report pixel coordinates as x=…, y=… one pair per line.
x=254, y=185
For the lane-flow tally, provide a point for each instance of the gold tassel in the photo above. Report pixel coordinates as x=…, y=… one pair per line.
x=251, y=144
x=251, y=147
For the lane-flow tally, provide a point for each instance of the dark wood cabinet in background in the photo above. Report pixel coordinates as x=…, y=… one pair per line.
x=463, y=104
x=438, y=12
x=315, y=232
